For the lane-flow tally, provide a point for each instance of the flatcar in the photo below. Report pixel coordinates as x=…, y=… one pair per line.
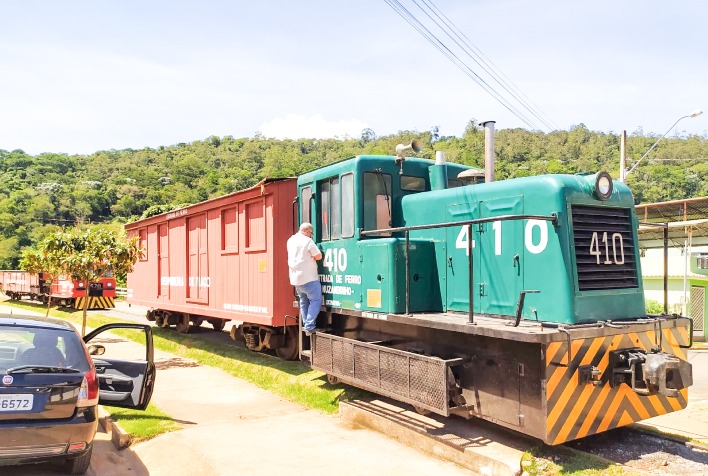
x=63, y=290
x=517, y=301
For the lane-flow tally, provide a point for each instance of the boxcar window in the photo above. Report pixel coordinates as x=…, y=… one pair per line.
x=143, y=244
x=324, y=216
x=347, y=206
x=305, y=198
x=412, y=184
x=377, y=201
x=229, y=230
x=255, y=226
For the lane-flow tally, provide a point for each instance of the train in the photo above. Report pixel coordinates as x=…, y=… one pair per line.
x=61, y=290
x=517, y=301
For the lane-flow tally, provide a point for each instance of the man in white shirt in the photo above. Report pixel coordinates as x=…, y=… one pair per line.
x=303, y=255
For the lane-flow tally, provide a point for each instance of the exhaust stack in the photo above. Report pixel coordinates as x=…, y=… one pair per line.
x=488, y=151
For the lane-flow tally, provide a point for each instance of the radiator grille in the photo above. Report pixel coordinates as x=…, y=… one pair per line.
x=604, y=248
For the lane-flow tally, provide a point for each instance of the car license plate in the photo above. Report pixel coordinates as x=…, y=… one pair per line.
x=16, y=402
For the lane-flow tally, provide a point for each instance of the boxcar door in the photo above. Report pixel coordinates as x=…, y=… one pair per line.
x=501, y=257
x=198, y=271
x=163, y=263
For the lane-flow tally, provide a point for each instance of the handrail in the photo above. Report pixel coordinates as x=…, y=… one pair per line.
x=407, y=229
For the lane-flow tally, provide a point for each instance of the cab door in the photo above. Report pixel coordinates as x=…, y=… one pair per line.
x=126, y=377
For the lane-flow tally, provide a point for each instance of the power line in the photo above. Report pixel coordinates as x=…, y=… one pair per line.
x=491, y=69
x=472, y=52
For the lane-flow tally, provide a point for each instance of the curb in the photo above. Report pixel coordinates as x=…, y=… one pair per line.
x=120, y=438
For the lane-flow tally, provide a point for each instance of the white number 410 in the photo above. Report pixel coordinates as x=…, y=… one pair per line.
x=596, y=250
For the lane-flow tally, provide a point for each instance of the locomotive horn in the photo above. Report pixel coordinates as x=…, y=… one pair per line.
x=401, y=149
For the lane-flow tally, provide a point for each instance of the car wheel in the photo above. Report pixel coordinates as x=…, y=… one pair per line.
x=81, y=464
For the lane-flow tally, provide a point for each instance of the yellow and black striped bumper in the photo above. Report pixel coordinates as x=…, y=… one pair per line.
x=577, y=408
x=95, y=302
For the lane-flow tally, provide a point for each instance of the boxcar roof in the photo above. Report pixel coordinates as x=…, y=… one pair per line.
x=206, y=203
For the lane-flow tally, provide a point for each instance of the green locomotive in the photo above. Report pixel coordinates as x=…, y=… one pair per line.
x=550, y=337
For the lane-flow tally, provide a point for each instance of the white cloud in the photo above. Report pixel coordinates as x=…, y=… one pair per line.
x=294, y=126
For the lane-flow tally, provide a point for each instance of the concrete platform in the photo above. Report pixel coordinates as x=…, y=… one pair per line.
x=474, y=444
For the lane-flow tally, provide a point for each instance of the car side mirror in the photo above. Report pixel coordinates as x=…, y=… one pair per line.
x=96, y=349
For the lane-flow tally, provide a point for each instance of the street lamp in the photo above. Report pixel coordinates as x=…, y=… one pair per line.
x=624, y=173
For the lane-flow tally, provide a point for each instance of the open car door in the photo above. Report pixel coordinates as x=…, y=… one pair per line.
x=127, y=381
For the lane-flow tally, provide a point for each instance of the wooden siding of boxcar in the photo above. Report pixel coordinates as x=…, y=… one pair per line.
x=18, y=281
x=244, y=280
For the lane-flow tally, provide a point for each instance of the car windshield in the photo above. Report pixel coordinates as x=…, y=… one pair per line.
x=42, y=347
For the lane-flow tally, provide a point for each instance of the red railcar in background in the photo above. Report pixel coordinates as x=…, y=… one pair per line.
x=62, y=290
x=18, y=284
x=68, y=292
x=219, y=260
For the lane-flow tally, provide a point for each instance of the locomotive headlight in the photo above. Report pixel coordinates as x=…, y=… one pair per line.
x=603, y=186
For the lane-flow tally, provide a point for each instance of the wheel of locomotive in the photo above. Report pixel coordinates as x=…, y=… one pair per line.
x=332, y=380
x=182, y=325
x=217, y=324
x=291, y=350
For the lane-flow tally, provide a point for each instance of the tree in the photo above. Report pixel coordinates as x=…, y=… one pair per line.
x=34, y=260
x=88, y=254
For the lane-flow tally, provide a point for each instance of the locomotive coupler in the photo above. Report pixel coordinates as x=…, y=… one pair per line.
x=650, y=373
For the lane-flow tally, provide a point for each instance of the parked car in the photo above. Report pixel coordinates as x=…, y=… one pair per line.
x=52, y=384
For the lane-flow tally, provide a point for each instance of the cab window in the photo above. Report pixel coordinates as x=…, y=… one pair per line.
x=347, y=205
x=305, y=200
x=377, y=201
x=412, y=184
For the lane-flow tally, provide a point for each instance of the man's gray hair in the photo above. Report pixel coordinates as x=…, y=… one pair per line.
x=305, y=226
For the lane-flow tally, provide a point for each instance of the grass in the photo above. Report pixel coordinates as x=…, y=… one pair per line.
x=143, y=424
x=547, y=460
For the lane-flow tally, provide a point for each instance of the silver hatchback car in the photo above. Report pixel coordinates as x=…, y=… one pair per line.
x=51, y=387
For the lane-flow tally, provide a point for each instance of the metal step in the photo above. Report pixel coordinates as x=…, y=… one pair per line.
x=421, y=380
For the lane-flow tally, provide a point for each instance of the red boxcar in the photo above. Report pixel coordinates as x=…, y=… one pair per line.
x=222, y=259
x=18, y=284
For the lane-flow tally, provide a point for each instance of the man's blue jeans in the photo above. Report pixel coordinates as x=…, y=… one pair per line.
x=310, y=303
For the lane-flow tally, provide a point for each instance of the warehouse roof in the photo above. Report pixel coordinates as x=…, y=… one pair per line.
x=686, y=219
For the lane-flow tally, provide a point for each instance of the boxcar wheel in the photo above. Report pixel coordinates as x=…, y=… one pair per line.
x=332, y=380
x=217, y=324
x=183, y=324
x=162, y=321
x=197, y=321
x=290, y=351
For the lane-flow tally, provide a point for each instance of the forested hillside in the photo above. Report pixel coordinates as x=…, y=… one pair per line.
x=40, y=193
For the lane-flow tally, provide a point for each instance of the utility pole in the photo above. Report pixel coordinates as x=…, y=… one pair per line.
x=623, y=156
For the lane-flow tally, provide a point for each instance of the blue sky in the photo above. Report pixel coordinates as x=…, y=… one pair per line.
x=82, y=76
